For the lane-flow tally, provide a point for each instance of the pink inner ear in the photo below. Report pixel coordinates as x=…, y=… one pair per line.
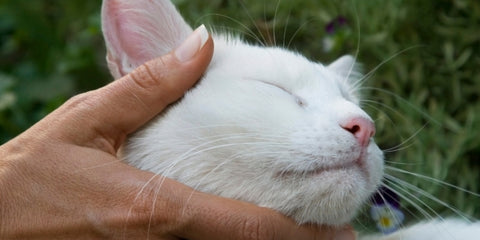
x=137, y=31
x=132, y=41
x=125, y=30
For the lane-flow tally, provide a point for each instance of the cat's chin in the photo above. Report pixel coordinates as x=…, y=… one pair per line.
x=333, y=196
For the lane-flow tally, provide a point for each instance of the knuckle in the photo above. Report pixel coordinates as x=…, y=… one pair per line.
x=144, y=77
x=151, y=74
x=81, y=108
x=147, y=208
x=158, y=76
x=80, y=101
x=258, y=228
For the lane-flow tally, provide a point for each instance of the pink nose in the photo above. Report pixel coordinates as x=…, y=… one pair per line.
x=362, y=128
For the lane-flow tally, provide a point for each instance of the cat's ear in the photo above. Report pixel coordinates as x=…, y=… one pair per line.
x=346, y=67
x=138, y=31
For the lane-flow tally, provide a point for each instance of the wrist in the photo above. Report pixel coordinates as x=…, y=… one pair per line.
x=6, y=206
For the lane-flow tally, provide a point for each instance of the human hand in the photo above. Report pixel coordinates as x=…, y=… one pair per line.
x=61, y=179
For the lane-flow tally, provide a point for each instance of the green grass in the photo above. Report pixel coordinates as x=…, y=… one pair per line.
x=425, y=93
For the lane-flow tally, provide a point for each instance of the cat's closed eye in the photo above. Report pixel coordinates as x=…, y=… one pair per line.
x=300, y=101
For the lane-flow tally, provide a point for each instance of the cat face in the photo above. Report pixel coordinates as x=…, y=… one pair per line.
x=264, y=125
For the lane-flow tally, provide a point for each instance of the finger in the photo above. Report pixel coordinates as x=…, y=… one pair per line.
x=150, y=88
x=124, y=105
x=211, y=217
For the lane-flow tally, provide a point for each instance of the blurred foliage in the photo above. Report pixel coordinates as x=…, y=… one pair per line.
x=422, y=60
x=50, y=50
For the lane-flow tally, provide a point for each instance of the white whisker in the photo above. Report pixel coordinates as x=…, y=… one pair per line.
x=418, y=207
x=296, y=32
x=428, y=195
x=253, y=21
x=275, y=22
x=411, y=138
x=286, y=28
x=248, y=30
x=357, y=50
x=371, y=72
x=431, y=119
x=434, y=180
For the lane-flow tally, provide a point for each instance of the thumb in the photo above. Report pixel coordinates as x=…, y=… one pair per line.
x=129, y=102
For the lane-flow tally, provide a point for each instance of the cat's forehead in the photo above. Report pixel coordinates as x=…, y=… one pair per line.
x=270, y=64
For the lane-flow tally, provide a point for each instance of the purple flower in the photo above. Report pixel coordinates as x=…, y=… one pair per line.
x=335, y=24
x=386, y=211
x=387, y=217
x=330, y=28
x=341, y=20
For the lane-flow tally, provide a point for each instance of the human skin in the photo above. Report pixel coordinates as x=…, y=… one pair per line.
x=62, y=179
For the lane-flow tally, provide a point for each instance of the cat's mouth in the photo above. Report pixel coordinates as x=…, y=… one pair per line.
x=357, y=164
x=321, y=170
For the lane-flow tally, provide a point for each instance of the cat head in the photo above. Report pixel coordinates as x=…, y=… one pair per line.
x=264, y=124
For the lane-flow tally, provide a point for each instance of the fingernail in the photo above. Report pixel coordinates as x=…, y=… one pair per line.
x=347, y=234
x=192, y=44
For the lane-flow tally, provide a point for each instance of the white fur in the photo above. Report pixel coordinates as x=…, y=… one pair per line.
x=259, y=127
x=449, y=229
x=264, y=132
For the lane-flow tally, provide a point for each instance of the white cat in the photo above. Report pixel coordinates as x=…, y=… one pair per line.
x=264, y=125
